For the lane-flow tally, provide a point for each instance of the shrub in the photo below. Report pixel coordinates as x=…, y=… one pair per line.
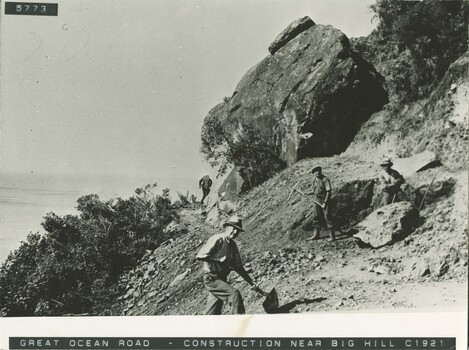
x=418, y=40
x=238, y=142
x=75, y=266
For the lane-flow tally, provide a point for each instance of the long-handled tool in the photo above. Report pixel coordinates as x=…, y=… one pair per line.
x=304, y=194
x=292, y=190
x=426, y=191
x=407, y=198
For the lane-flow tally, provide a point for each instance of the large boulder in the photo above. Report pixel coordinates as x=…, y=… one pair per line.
x=388, y=224
x=418, y=162
x=310, y=97
x=231, y=186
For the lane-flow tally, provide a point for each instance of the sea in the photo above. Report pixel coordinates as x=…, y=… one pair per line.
x=26, y=198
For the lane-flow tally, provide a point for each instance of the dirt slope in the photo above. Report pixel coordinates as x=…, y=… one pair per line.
x=426, y=269
x=319, y=275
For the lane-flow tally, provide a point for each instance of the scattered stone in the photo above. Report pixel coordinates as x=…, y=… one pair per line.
x=435, y=263
x=178, y=279
x=319, y=258
x=383, y=269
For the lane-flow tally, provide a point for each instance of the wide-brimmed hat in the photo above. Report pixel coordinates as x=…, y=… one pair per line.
x=316, y=169
x=386, y=161
x=236, y=222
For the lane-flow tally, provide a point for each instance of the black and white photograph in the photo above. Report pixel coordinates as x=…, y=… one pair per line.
x=207, y=157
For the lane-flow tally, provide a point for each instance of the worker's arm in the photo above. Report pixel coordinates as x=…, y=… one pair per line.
x=327, y=185
x=398, y=179
x=326, y=201
x=205, y=252
x=383, y=182
x=240, y=270
x=237, y=264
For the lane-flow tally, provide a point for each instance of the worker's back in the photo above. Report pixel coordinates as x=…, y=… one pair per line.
x=205, y=182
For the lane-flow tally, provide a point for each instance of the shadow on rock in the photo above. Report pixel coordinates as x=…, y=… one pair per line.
x=284, y=309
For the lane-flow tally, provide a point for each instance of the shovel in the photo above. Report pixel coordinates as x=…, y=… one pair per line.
x=270, y=303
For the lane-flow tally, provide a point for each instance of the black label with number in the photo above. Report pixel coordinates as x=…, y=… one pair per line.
x=31, y=9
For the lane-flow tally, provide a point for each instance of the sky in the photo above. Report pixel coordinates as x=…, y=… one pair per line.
x=120, y=88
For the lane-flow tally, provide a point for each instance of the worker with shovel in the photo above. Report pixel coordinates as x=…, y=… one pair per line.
x=321, y=193
x=390, y=181
x=221, y=256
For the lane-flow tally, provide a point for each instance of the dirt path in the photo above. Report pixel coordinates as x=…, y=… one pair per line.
x=339, y=276
x=317, y=276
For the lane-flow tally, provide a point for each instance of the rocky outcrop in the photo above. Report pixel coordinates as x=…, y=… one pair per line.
x=290, y=32
x=388, y=224
x=312, y=85
x=437, y=124
x=231, y=186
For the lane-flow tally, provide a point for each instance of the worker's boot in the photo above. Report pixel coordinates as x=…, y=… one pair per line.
x=314, y=236
x=332, y=235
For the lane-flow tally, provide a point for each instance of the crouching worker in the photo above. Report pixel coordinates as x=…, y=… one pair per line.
x=390, y=181
x=221, y=256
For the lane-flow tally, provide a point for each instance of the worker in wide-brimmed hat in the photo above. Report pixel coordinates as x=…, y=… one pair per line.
x=221, y=256
x=321, y=192
x=390, y=181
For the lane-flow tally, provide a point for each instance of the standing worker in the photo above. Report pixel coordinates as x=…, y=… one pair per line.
x=221, y=256
x=322, y=199
x=390, y=181
x=205, y=183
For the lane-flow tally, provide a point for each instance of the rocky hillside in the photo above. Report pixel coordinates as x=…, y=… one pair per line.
x=313, y=83
x=437, y=123
x=319, y=275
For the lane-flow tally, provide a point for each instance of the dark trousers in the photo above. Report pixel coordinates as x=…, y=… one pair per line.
x=321, y=217
x=222, y=292
x=205, y=192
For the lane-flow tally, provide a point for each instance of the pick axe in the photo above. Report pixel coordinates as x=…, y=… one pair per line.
x=304, y=194
x=292, y=190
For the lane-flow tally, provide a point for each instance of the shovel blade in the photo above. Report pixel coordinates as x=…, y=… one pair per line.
x=270, y=303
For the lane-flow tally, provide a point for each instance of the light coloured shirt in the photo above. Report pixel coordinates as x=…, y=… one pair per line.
x=390, y=181
x=220, y=254
x=320, y=187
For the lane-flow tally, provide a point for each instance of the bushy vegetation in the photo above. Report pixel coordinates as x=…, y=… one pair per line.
x=415, y=42
x=75, y=266
x=238, y=143
x=185, y=200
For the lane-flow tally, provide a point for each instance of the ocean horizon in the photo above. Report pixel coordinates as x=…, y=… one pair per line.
x=26, y=198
